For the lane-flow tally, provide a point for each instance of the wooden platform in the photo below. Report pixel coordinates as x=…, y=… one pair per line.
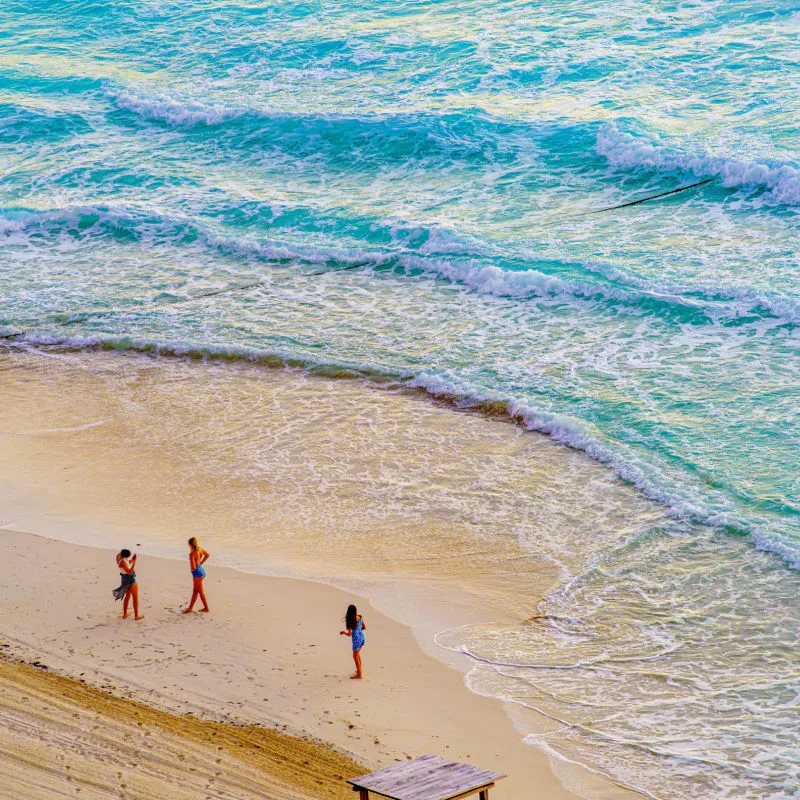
x=427, y=778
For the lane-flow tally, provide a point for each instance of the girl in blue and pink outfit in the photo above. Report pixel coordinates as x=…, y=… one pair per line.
x=355, y=630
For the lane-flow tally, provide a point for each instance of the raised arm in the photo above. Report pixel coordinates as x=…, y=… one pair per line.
x=127, y=565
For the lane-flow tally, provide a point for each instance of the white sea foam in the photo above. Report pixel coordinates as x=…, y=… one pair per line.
x=578, y=435
x=163, y=108
x=625, y=151
x=438, y=256
x=621, y=149
x=139, y=344
x=10, y=226
x=541, y=741
x=443, y=242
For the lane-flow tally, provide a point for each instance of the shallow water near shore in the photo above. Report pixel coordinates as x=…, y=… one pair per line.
x=338, y=480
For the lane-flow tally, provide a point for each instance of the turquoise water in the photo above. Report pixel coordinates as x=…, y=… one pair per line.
x=407, y=189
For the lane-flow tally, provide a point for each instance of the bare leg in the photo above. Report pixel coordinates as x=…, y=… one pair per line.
x=199, y=590
x=357, y=660
x=135, y=595
x=191, y=602
x=125, y=601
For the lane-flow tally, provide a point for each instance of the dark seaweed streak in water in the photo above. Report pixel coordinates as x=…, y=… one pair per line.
x=646, y=199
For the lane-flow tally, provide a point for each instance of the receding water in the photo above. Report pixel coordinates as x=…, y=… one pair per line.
x=404, y=191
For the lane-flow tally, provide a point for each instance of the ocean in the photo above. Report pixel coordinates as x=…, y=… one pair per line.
x=419, y=196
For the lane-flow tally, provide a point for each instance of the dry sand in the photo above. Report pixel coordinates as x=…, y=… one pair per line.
x=61, y=738
x=269, y=653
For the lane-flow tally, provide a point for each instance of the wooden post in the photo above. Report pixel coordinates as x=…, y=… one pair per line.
x=484, y=795
x=363, y=794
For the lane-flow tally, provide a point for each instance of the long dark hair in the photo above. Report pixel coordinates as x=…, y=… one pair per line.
x=351, y=618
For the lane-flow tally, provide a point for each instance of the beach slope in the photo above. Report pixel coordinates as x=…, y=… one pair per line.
x=61, y=738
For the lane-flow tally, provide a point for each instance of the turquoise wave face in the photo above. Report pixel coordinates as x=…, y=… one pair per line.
x=410, y=189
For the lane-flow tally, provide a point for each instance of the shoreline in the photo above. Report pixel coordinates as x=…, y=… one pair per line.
x=102, y=458
x=437, y=394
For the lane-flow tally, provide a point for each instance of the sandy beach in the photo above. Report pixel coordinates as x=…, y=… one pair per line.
x=482, y=317
x=269, y=654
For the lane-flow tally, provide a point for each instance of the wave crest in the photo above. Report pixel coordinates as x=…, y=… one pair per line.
x=781, y=182
x=434, y=253
x=163, y=108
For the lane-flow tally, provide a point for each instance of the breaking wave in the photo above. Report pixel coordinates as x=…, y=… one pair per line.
x=779, y=182
x=438, y=254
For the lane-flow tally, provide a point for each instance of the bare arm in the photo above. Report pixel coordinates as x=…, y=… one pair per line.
x=348, y=632
x=126, y=566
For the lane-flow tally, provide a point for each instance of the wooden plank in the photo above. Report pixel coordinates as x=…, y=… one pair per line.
x=484, y=790
x=447, y=782
x=420, y=766
x=427, y=778
x=417, y=777
x=460, y=792
x=397, y=774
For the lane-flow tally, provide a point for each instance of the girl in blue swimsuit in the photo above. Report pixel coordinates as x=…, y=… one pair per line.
x=197, y=557
x=355, y=630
